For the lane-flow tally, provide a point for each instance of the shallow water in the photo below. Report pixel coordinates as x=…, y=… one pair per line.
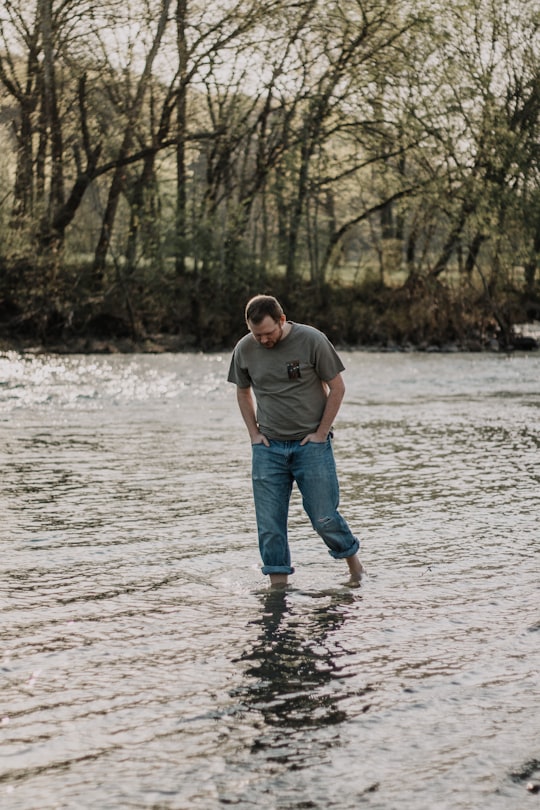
x=144, y=664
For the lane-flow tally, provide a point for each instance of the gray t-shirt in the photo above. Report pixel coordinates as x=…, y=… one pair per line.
x=287, y=380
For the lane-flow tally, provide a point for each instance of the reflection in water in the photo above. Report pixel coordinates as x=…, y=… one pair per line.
x=295, y=678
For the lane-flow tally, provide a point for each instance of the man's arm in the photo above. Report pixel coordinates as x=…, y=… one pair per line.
x=336, y=392
x=246, y=404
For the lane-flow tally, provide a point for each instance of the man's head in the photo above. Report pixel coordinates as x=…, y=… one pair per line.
x=265, y=319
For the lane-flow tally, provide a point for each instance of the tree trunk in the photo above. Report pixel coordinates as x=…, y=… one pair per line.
x=117, y=183
x=23, y=191
x=50, y=108
x=181, y=126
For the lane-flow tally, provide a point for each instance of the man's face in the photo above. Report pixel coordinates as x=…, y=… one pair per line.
x=268, y=332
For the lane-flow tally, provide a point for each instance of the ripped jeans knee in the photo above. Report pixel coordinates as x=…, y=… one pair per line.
x=337, y=535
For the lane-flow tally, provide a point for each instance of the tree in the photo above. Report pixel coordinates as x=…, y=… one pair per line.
x=233, y=140
x=481, y=114
x=133, y=113
x=347, y=127
x=22, y=85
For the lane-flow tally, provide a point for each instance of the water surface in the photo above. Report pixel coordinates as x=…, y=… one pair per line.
x=144, y=663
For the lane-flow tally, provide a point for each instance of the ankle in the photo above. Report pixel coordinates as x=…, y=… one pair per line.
x=355, y=567
x=278, y=579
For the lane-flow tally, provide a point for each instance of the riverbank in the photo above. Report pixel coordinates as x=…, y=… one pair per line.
x=422, y=315
x=526, y=338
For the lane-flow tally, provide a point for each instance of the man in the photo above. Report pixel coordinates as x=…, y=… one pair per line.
x=295, y=374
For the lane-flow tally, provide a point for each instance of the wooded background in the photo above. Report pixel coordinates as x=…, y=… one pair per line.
x=374, y=163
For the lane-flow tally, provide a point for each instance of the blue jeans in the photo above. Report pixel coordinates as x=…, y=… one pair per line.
x=312, y=466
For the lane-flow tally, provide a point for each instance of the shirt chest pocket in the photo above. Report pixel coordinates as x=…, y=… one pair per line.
x=294, y=371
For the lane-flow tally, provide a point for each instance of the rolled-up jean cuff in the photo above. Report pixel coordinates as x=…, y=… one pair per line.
x=340, y=555
x=277, y=569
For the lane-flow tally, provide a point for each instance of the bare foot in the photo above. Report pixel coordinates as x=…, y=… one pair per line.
x=352, y=583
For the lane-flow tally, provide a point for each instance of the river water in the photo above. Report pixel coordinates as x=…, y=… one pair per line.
x=145, y=664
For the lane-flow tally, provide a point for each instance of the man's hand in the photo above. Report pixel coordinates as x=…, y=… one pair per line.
x=336, y=390
x=316, y=438
x=260, y=438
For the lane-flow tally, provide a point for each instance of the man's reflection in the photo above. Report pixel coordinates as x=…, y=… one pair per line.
x=294, y=664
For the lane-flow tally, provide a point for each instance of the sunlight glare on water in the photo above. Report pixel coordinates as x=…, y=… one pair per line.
x=144, y=663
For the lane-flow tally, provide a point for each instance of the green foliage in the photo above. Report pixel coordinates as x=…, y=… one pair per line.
x=194, y=312
x=158, y=174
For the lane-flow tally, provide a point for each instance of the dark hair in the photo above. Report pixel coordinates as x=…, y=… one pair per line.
x=258, y=307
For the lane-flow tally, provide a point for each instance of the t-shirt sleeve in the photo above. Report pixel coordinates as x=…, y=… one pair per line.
x=328, y=362
x=237, y=373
